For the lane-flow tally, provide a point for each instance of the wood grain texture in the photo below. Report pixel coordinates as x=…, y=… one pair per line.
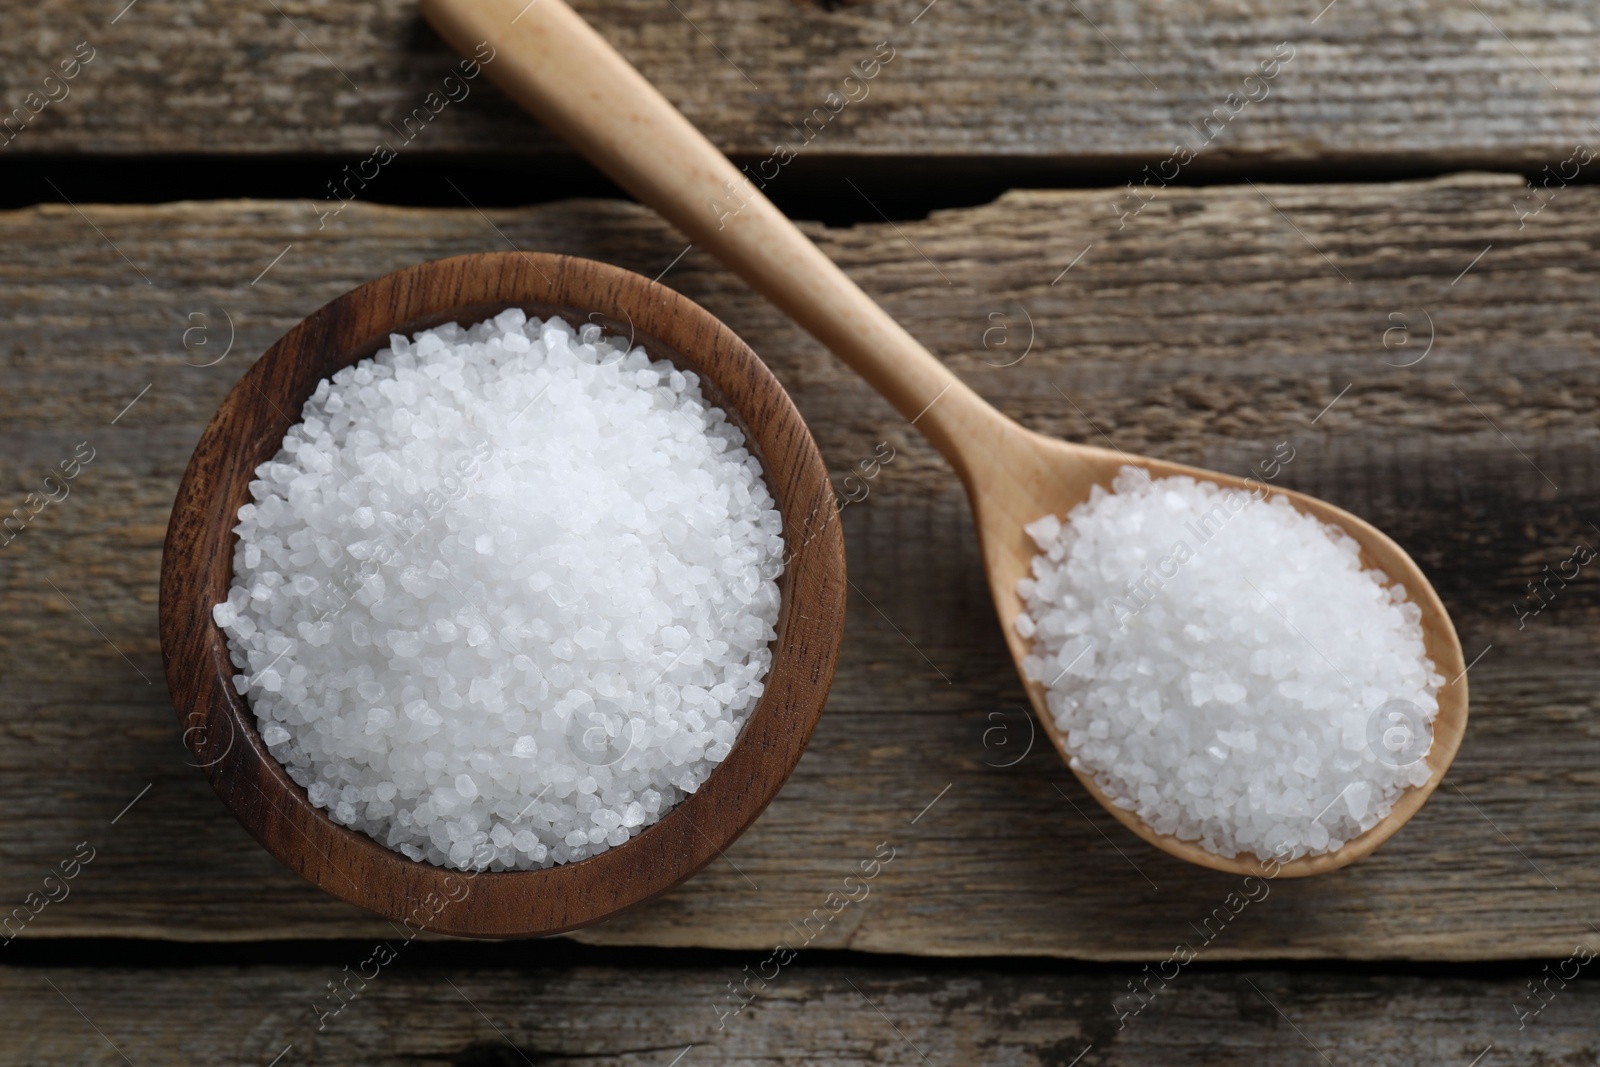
x=248, y=431
x=1421, y=83
x=808, y=1014
x=1206, y=332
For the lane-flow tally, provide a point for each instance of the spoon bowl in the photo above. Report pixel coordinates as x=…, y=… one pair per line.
x=557, y=67
x=248, y=429
x=1018, y=476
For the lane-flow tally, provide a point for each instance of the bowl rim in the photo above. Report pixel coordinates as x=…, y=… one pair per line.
x=197, y=563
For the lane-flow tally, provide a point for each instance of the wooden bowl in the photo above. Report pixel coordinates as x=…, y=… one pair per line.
x=248, y=429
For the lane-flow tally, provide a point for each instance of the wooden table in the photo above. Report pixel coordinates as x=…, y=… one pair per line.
x=1352, y=263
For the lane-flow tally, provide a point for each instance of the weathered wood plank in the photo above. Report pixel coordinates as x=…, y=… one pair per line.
x=1206, y=331
x=1422, y=84
x=637, y=1016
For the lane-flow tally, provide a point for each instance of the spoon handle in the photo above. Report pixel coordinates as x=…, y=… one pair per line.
x=552, y=63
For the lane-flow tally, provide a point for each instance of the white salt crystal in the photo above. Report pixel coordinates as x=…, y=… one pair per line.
x=1358, y=796
x=1215, y=661
x=504, y=597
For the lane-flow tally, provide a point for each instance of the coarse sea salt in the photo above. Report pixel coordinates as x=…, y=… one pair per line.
x=1221, y=664
x=505, y=595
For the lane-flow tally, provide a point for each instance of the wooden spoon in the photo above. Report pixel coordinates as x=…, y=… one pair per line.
x=557, y=67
